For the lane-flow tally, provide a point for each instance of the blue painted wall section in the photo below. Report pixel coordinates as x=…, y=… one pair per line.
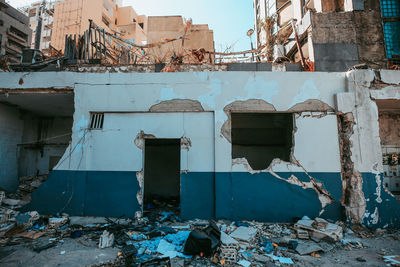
x=388, y=209
x=87, y=193
x=197, y=195
x=263, y=197
x=204, y=195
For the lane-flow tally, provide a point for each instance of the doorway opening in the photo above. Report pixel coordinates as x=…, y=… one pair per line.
x=389, y=129
x=162, y=174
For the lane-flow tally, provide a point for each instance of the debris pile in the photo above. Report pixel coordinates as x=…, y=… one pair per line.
x=163, y=239
x=21, y=197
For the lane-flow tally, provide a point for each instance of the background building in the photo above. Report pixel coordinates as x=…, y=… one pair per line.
x=333, y=35
x=165, y=27
x=41, y=15
x=57, y=19
x=15, y=33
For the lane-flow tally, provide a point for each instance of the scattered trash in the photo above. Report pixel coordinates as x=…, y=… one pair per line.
x=244, y=263
x=392, y=260
x=44, y=247
x=58, y=222
x=282, y=260
x=325, y=230
x=76, y=234
x=360, y=259
x=106, y=240
x=203, y=242
x=160, y=238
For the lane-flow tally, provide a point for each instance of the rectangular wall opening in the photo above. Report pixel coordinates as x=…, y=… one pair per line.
x=262, y=137
x=389, y=129
x=162, y=173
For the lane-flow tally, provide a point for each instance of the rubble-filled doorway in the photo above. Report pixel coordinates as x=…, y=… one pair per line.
x=162, y=173
x=389, y=131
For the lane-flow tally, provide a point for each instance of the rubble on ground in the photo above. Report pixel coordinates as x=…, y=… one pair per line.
x=161, y=238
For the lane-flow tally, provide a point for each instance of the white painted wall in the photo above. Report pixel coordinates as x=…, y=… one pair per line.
x=137, y=92
x=113, y=147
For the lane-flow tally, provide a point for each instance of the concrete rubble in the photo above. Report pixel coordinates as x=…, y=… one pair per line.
x=161, y=239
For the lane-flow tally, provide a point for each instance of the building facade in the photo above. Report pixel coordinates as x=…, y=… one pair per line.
x=333, y=35
x=165, y=27
x=69, y=17
x=266, y=146
x=41, y=15
x=15, y=34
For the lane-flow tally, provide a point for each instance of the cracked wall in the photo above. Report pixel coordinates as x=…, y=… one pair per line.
x=366, y=200
x=310, y=184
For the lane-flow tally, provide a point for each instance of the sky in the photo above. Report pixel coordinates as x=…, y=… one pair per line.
x=229, y=19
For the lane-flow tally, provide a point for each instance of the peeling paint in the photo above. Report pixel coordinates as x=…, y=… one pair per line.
x=140, y=139
x=323, y=195
x=186, y=143
x=378, y=182
x=371, y=218
x=258, y=88
x=209, y=99
x=306, y=92
x=177, y=105
x=169, y=94
x=246, y=165
x=311, y=105
x=257, y=105
x=140, y=179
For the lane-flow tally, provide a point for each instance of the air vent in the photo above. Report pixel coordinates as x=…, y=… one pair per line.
x=96, y=121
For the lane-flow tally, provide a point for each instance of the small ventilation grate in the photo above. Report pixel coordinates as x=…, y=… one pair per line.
x=96, y=120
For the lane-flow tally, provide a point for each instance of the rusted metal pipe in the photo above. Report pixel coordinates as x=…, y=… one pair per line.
x=303, y=62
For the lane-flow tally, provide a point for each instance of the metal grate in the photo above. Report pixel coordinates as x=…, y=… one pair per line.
x=391, y=26
x=390, y=8
x=391, y=31
x=96, y=120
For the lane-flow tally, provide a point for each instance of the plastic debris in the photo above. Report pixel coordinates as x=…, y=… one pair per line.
x=203, y=242
x=106, y=240
x=282, y=260
x=244, y=263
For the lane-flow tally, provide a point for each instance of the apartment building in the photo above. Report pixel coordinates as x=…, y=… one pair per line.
x=41, y=15
x=333, y=35
x=15, y=34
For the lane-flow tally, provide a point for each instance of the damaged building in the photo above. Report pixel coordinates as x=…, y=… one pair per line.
x=329, y=35
x=220, y=144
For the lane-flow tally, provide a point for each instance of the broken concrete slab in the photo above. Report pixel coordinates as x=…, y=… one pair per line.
x=331, y=231
x=227, y=239
x=305, y=248
x=244, y=233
